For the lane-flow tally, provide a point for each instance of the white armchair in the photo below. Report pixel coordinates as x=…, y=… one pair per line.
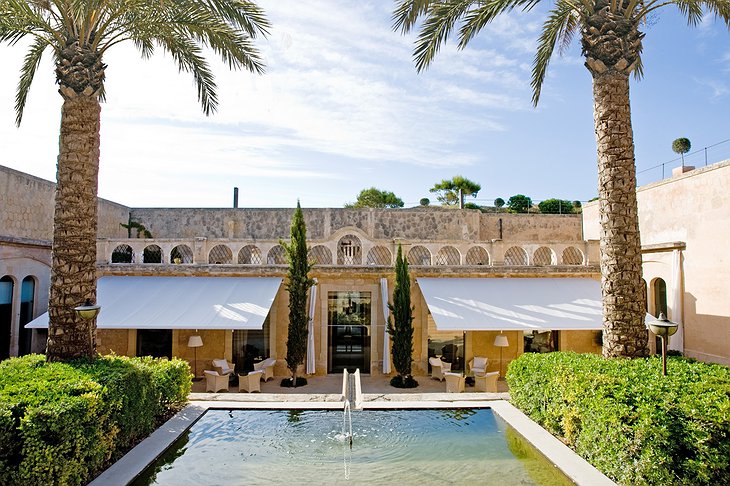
x=454, y=382
x=487, y=382
x=438, y=367
x=267, y=367
x=250, y=382
x=215, y=382
x=223, y=367
x=478, y=365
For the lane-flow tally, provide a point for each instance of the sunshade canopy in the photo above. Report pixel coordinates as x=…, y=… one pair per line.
x=513, y=304
x=181, y=302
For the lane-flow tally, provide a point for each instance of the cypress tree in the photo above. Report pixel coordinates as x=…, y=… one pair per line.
x=400, y=325
x=298, y=283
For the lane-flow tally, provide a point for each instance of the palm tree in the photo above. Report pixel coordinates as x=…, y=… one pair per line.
x=611, y=42
x=79, y=33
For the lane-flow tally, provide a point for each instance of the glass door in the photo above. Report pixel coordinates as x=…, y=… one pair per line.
x=348, y=325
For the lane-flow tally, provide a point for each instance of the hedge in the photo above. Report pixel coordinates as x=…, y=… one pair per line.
x=633, y=424
x=63, y=423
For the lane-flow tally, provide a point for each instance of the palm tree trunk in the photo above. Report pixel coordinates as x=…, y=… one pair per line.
x=624, y=331
x=73, y=271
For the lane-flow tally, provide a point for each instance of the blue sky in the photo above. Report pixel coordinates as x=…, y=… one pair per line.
x=342, y=108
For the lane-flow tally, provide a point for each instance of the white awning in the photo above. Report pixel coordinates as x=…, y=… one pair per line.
x=181, y=302
x=513, y=304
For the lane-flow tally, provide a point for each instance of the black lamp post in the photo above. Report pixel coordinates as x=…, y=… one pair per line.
x=663, y=328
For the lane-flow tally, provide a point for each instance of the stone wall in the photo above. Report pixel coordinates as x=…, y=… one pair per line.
x=27, y=208
x=410, y=224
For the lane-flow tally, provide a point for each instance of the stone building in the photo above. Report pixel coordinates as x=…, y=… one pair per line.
x=684, y=228
x=218, y=274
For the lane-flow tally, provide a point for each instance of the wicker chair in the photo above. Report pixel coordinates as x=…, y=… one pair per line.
x=215, y=382
x=486, y=382
x=438, y=367
x=267, y=367
x=478, y=365
x=223, y=367
x=250, y=382
x=454, y=382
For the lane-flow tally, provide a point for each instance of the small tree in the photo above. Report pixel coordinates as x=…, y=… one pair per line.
x=452, y=191
x=499, y=202
x=681, y=146
x=519, y=203
x=400, y=325
x=424, y=201
x=375, y=198
x=555, y=206
x=298, y=285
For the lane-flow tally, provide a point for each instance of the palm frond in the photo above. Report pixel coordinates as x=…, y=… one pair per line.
x=561, y=24
x=436, y=29
x=478, y=18
x=27, y=73
x=407, y=12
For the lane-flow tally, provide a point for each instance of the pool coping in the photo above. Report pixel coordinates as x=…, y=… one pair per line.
x=126, y=469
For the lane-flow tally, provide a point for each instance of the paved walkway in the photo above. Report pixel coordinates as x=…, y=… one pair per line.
x=329, y=388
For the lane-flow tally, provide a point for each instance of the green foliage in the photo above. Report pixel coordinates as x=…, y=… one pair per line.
x=448, y=190
x=375, y=198
x=400, y=323
x=681, y=146
x=139, y=227
x=499, y=202
x=424, y=201
x=634, y=425
x=471, y=205
x=61, y=423
x=519, y=203
x=555, y=206
x=298, y=284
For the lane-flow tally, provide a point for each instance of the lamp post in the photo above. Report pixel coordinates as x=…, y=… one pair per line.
x=195, y=342
x=663, y=328
x=501, y=342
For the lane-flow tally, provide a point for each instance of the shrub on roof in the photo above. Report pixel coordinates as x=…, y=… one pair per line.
x=629, y=421
x=62, y=423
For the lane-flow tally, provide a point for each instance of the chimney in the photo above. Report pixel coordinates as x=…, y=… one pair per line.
x=235, y=197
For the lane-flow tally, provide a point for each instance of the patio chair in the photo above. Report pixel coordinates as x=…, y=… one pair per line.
x=223, y=367
x=267, y=367
x=454, y=382
x=478, y=365
x=215, y=382
x=438, y=367
x=250, y=382
x=487, y=382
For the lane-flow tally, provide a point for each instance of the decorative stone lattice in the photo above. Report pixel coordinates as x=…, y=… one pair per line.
x=320, y=255
x=122, y=254
x=152, y=254
x=516, y=255
x=572, y=256
x=477, y=256
x=544, y=256
x=448, y=255
x=220, y=254
x=349, y=251
x=379, y=255
x=419, y=255
x=181, y=254
x=250, y=255
x=276, y=256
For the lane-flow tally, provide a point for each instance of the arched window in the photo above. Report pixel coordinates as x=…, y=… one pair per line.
x=181, y=254
x=349, y=251
x=544, y=256
x=152, y=254
x=7, y=286
x=477, y=256
x=321, y=255
x=448, y=255
x=419, y=255
x=379, y=255
x=220, y=255
x=276, y=256
x=660, y=297
x=516, y=255
x=27, y=300
x=250, y=255
x=122, y=254
x=572, y=256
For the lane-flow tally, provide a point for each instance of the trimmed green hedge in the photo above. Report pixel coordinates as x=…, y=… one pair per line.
x=635, y=425
x=62, y=423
